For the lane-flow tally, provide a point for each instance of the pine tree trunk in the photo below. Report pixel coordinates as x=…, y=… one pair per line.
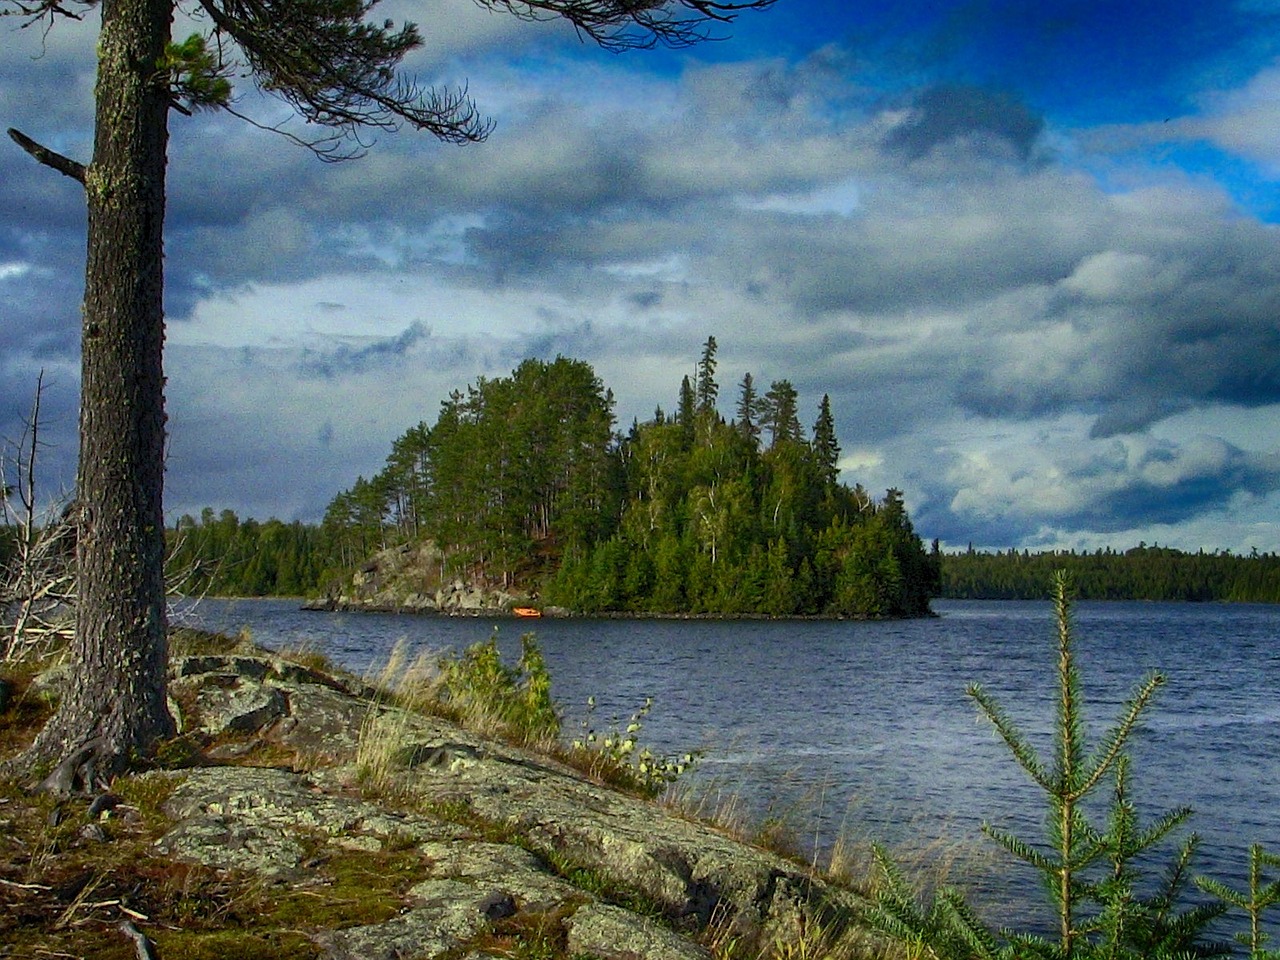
x=114, y=706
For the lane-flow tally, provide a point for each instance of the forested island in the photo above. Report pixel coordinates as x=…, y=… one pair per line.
x=524, y=482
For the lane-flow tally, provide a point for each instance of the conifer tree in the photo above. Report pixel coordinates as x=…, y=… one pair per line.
x=826, y=448
x=707, y=389
x=686, y=409
x=1103, y=906
x=780, y=413
x=748, y=409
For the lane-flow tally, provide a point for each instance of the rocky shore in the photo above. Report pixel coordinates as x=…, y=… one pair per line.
x=484, y=840
x=410, y=579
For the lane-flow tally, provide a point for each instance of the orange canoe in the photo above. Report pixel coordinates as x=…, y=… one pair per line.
x=526, y=611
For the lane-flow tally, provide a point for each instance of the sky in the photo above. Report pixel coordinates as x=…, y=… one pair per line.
x=1030, y=251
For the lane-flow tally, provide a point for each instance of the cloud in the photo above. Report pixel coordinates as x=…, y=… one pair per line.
x=1244, y=121
x=1038, y=332
x=1121, y=484
x=345, y=359
x=985, y=120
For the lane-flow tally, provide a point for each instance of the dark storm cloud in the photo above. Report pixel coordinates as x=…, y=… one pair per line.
x=950, y=114
x=1045, y=492
x=1170, y=485
x=1135, y=336
x=345, y=359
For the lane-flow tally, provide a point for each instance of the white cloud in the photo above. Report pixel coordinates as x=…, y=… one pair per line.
x=1245, y=121
x=842, y=199
x=1032, y=354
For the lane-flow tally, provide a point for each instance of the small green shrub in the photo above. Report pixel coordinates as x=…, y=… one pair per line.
x=515, y=700
x=1263, y=894
x=617, y=758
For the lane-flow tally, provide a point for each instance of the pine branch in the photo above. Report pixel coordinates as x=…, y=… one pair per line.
x=1018, y=745
x=1113, y=741
x=340, y=72
x=633, y=24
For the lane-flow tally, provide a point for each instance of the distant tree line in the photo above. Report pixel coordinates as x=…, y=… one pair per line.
x=223, y=555
x=1141, y=573
x=525, y=480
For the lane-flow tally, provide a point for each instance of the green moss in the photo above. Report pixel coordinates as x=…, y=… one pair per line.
x=529, y=935
x=23, y=711
x=188, y=642
x=350, y=888
x=235, y=945
x=148, y=793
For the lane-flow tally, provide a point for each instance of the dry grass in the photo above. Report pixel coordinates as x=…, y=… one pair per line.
x=405, y=684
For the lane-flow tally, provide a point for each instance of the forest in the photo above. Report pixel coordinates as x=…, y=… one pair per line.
x=1141, y=573
x=524, y=480
x=223, y=555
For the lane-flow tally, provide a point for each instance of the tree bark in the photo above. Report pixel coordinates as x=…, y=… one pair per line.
x=114, y=706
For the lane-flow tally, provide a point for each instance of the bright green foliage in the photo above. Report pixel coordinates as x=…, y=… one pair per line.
x=617, y=757
x=196, y=78
x=518, y=698
x=1103, y=905
x=509, y=464
x=224, y=555
x=1263, y=894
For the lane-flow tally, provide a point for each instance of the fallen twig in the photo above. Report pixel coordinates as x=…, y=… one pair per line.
x=146, y=949
x=24, y=886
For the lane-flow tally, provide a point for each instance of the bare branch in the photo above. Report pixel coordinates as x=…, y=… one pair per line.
x=326, y=148
x=50, y=158
x=48, y=11
x=37, y=588
x=142, y=944
x=633, y=24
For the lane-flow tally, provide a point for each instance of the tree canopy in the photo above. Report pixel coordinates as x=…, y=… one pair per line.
x=1144, y=572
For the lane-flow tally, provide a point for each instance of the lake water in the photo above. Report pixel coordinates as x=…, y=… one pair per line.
x=866, y=726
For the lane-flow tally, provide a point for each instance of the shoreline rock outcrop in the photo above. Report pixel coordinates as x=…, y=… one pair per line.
x=492, y=832
x=410, y=579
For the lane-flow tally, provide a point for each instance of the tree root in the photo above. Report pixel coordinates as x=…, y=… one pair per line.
x=81, y=772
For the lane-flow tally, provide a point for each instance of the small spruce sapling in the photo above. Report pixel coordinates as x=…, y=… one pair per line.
x=1263, y=894
x=1092, y=875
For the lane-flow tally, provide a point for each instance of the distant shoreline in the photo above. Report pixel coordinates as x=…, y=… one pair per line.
x=328, y=606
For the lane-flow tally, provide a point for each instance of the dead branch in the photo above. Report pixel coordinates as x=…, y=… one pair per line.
x=50, y=158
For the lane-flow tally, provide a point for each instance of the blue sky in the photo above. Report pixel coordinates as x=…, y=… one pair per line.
x=1030, y=250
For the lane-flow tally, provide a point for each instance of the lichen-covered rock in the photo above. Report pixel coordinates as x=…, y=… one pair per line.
x=691, y=869
x=255, y=819
x=449, y=913
x=611, y=933
x=314, y=714
x=502, y=869
x=239, y=708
